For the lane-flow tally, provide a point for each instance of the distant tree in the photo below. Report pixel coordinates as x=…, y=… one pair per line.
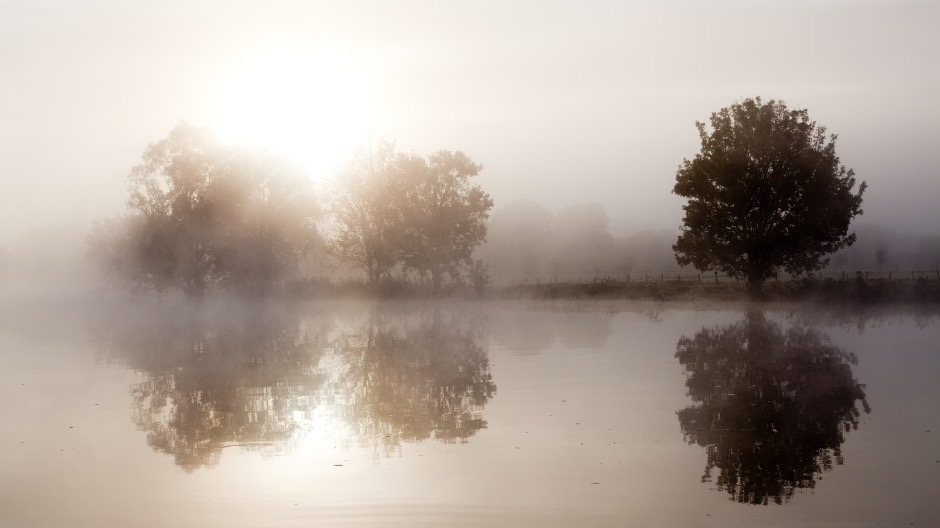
x=766, y=193
x=582, y=240
x=928, y=251
x=445, y=216
x=368, y=208
x=881, y=255
x=121, y=249
x=204, y=214
x=518, y=240
x=479, y=276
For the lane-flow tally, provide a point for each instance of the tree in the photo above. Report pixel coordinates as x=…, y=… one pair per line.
x=368, y=208
x=265, y=221
x=766, y=193
x=582, y=240
x=881, y=255
x=170, y=189
x=402, y=209
x=204, y=214
x=445, y=215
x=517, y=240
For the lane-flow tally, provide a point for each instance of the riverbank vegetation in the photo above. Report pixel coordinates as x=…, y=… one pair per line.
x=207, y=218
x=856, y=290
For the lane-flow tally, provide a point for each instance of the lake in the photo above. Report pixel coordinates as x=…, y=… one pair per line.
x=500, y=413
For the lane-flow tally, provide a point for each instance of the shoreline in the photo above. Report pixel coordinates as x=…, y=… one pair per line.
x=822, y=291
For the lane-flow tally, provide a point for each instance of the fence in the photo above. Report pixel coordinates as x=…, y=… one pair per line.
x=913, y=274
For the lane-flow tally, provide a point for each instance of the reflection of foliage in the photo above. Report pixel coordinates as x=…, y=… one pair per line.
x=254, y=377
x=213, y=380
x=772, y=407
x=416, y=382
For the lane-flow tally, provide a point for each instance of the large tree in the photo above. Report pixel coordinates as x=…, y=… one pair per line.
x=368, y=208
x=766, y=193
x=205, y=214
x=423, y=214
x=445, y=216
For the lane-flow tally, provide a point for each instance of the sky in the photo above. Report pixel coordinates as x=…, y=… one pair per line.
x=562, y=102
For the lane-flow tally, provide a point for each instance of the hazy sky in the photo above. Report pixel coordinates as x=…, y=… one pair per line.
x=562, y=102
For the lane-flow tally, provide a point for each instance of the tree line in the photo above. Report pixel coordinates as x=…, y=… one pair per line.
x=204, y=216
x=766, y=194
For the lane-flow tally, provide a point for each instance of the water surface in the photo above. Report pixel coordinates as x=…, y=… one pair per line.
x=460, y=414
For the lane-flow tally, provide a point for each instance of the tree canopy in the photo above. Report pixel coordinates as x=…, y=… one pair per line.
x=445, y=216
x=203, y=214
x=766, y=193
x=421, y=214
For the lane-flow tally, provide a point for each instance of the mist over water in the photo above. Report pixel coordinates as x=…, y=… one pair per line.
x=393, y=413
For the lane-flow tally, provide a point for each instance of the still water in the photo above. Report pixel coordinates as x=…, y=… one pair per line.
x=467, y=414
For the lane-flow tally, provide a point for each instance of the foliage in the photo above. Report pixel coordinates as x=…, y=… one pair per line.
x=394, y=209
x=582, y=240
x=517, y=239
x=204, y=214
x=479, y=276
x=445, y=216
x=526, y=240
x=368, y=209
x=766, y=193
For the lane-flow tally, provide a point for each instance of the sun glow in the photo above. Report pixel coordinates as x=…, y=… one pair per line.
x=306, y=107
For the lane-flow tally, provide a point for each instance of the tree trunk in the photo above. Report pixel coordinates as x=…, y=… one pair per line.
x=754, y=284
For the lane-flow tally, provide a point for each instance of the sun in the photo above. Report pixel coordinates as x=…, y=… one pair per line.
x=306, y=107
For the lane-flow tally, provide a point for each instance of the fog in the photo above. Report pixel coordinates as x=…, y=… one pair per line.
x=563, y=104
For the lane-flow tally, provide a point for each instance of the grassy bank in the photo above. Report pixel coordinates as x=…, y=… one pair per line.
x=849, y=291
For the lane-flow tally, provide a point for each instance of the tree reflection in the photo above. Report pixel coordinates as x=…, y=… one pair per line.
x=260, y=378
x=215, y=379
x=423, y=378
x=772, y=406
